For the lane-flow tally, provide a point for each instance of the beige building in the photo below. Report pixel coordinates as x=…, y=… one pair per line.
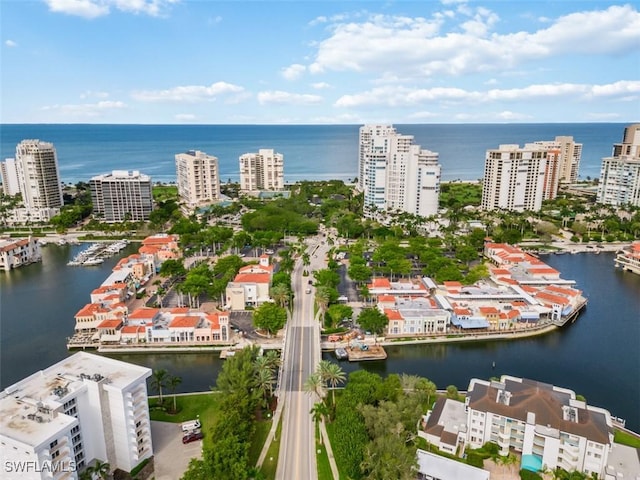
x=569, y=159
x=198, y=180
x=518, y=178
x=261, y=171
x=250, y=287
x=36, y=165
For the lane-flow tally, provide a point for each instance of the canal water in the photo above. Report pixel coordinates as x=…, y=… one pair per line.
x=598, y=356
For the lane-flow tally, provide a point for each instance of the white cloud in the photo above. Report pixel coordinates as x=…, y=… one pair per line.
x=10, y=43
x=402, y=96
x=85, y=109
x=320, y=85
x=511, y=116
x=92, y=94
x=404, y=47
x=185, y=117
x=98, y=8
x=293, y=72
x=278, y=97
x=603, y=116
x=188, y=93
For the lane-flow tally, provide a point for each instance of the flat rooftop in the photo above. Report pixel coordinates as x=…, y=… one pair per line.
x=28, y=408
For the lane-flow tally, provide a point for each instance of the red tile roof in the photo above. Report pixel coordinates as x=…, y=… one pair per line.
x=110, y=323
x=393, y=314
x=144, y=313
x=252, y=278
x=184, y=322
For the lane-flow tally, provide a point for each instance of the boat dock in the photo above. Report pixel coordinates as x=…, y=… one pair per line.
x=372, y=352
x=95, y=253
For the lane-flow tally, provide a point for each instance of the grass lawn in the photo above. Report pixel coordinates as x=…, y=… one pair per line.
x=271, y=460
x=190, y=407
x=322, y=458
x=259, y=437
x=625, y=438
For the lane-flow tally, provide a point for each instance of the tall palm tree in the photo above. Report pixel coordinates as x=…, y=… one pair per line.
x=331, y=374
x=280, y=294
x=272, y=359
x=172, y=384
x=264, y=383
x=158, y=381
x=319, y=412
x=314, y=385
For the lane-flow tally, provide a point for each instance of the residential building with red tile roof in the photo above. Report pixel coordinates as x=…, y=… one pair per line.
x=248, y=289
x=16, y=252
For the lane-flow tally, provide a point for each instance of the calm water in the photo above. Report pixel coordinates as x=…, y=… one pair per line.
x=597, y=356
x=311, y=152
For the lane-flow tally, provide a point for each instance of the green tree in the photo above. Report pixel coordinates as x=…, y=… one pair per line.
x=452, y=392
x=314, y=385
x=173, y=383
x=101, y=469
x=371, y=319
x=270, y=317
x=332, y=375
x=338, y=312
x=281, y=294
x=159, y=379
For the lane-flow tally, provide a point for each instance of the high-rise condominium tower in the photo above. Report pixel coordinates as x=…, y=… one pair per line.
x=519, y=178
x=36, y=166
x=569, y=160
x=122, y=195
x=261, y=171
x=395, y=174
x=620, y=173
x=198, y=180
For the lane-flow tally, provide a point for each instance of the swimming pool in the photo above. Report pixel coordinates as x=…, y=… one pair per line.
x=532, y=463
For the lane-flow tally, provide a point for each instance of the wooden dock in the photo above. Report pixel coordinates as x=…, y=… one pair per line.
x=374, y=352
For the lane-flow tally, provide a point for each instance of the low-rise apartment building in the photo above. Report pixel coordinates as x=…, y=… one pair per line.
x=84, y=408
x=250, y=287
x=547, y=424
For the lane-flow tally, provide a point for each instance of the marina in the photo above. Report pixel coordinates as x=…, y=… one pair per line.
x=95, y=253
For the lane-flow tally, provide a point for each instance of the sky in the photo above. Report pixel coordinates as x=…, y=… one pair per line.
x=319, y=62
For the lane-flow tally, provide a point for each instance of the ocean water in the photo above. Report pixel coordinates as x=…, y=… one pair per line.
x=311, y=152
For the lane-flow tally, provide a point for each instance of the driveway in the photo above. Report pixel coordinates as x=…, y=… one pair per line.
x=171, y=456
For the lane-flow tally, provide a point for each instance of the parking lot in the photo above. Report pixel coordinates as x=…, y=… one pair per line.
x=171, y=455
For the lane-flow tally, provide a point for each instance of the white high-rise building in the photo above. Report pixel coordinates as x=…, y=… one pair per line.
x=198, y=180
x=38, y=179
x=122, y=196
x=261, y=171
x=620, y=174
x=520, y=178
x=10, y=183
x=56, y=422
x=569, y=160
x=395, y=174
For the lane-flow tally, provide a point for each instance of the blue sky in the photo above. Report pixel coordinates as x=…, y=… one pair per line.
x=318, y=62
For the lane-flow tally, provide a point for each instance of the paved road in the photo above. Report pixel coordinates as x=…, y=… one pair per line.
x=301, y=355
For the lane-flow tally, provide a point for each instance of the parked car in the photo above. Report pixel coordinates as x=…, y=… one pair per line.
x=192, y=436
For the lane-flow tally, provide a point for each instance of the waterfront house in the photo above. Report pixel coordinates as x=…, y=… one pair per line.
x=92, y=315
x=629, y=258
x=16, y=252
x=79, y=410
x=415, y=316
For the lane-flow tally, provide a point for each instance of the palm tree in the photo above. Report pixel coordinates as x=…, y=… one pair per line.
x=314, y=384
x=319, y=412
x=101, y=469
x=280, y=294
x=172, y=385
x=158, y=380
x=331, y=374
x=264, y=383
x=272, y=359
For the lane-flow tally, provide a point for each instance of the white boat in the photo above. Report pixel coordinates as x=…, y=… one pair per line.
x=93, y=261
x=341, y=353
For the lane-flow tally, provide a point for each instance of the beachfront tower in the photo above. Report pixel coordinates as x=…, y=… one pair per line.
x=198, y=180
x=122, y=196
x=620, y=173
x=518, y=178
x=395, y=174
x=36, y=165
x=261, y=171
